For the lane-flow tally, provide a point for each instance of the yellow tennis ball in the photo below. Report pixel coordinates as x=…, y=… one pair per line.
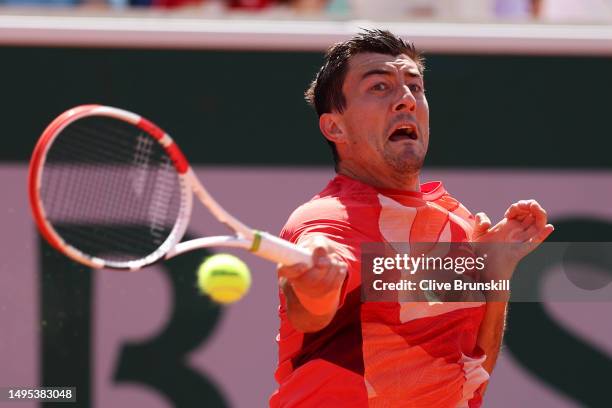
x=224, y=277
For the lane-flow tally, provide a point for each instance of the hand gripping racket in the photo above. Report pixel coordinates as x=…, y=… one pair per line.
x=110, y=189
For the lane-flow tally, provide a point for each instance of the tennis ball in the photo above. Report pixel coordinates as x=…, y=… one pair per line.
x=224, y=277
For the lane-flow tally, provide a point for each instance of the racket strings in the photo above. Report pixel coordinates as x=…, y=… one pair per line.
x=70, y=149
x=103, y=226
x=110, y=190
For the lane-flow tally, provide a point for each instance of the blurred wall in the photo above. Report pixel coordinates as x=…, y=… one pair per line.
x=485, y=109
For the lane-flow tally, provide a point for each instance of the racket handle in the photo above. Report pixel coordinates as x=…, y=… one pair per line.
x=278, y=250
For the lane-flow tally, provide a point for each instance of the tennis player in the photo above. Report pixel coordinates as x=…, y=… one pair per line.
x=334, y=349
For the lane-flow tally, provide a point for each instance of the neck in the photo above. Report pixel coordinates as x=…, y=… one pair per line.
x=405, y=181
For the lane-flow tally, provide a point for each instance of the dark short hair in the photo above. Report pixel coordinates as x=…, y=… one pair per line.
x=325, y=92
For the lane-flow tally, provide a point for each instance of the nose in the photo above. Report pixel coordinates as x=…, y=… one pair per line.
x=407, y=101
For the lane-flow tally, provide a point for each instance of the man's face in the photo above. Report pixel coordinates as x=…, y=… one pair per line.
x=386, y=118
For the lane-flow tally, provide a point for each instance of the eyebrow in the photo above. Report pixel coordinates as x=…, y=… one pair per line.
x=379, y=71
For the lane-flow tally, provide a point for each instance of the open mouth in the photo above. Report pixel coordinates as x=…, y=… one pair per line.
x=403, y=132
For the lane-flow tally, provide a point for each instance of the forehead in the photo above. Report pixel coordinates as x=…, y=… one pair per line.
x=365, y=62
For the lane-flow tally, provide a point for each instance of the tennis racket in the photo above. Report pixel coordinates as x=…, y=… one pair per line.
x=110, y=189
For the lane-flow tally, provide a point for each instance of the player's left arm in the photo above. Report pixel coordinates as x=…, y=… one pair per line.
x=525, y=222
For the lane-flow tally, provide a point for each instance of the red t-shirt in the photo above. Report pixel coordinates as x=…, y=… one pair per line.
x=374, y=354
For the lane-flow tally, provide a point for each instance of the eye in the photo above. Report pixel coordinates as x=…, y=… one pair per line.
x=379, y=86
x=417, y=88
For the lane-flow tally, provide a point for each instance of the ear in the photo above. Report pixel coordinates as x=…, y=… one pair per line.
x=332, y=128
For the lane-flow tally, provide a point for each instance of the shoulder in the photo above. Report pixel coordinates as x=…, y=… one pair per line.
x=321, y=213
x=337, y=212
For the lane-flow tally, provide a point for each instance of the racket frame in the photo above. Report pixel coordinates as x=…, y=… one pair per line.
x=261, y=243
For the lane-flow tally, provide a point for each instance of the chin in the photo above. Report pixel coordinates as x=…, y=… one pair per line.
x=408, y=161
x=407, y=166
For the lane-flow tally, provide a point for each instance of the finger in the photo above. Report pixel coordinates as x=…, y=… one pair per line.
x=527, y=221
x=533, y=233
x=526, y=235
x=541, y=236
x=511, y=212
x=340, y=270
x=533, y=242
x=292, y=272
x=333, y=277
x=539, y=213
x=321, y=280
x=526, y=204
x=482, y=225
x=516, y=210
x=320, y=257
x=318, y=241
x=314, y=241
x=483, y=218
x=321, y=262
x=519, y=208
x=520, y=217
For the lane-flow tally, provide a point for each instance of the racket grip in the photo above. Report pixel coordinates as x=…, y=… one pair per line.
x=278, y=250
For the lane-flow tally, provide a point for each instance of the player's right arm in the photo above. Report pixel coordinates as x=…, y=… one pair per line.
x=313, y=293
